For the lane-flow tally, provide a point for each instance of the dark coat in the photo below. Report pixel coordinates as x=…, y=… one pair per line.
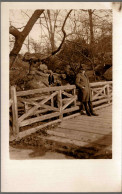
x=82, y=82
x=51, y=79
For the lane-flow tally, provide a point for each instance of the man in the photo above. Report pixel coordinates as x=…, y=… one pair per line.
x=82, y=82
x=51, y=78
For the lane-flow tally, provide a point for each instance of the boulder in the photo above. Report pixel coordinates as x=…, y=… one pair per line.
x=43, y=68
x=29, y=56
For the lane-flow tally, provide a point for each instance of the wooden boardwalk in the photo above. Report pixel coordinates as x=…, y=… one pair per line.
x=85, y=131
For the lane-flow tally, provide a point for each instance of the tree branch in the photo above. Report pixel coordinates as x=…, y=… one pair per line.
x=32, y=21
x=13, y=31
x=54, y=52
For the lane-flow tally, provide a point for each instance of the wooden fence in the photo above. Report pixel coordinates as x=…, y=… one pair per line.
x=38, y=108
x=101, y=94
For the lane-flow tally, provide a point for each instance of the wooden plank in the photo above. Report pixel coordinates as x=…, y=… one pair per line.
x=52, y=102
x=90, y=122
x=100, y=101
x=74, y=94
x=66, y=100
x=69, y=102
x=60, y=104
x=77, y=136
x=99, y=97
x=36, y=98
x=93, y=122
x=38, y=119
x=14, y=111
x=49, y=98
x=47, y=89
x=102, y=106
x=40, y=111
x=99, y=92
x=86, y=129
x=67, y=94
x=67, y=141
x=28, y=101
x=100, y=83
x=81, y=133
x=71, y=116
x=70, y=109
x=64, y=131
x=36, y=107
x=33, y=130
x=49, y=107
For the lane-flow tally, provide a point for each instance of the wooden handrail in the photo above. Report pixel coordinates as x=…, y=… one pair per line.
x=47, y=89
x=102, y=92
x=100, y=83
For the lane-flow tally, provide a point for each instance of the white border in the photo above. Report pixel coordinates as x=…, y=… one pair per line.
x=61, y=175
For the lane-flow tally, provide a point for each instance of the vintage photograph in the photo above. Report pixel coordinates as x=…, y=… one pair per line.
x=61, y=77
x=60, y=84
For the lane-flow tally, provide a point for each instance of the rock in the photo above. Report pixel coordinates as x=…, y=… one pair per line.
x=108, y=74
x=29, y=56
x=43, y=67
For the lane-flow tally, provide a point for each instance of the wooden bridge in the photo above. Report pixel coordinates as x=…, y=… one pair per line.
x=33, y=110
x=84, y=131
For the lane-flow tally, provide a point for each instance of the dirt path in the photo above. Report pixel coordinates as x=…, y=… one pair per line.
x=27, y=154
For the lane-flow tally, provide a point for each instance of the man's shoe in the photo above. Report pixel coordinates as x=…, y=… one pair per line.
x=89, y=114
x=94, y=114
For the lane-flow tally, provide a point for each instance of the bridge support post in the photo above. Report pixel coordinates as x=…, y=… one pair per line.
x=108, y=94
x=14, y=111
x=74, y=94
x=60, y=104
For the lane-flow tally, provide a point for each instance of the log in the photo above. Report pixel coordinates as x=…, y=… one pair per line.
x=33, y=130
x=100, y=102
x=37, y=105
x=70, y=109
x=38, y=119
x=100, y=83
x=14, y=111
x=68, y=103
x=60, y=104
x=48, y=89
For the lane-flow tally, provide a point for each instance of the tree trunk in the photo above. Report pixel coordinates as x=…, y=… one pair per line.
x=90, y=12
x=51, y=32
x=21, y=36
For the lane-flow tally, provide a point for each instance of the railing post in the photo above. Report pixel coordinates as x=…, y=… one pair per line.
x=108, y=93
x=52, y=102
x=60, y=104
x=74, y=94
x=14, y=111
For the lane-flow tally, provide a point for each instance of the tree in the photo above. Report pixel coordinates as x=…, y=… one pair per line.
x=20, y=36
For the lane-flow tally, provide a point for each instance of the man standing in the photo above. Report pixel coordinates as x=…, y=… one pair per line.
x=82, y=82
x=51, y=78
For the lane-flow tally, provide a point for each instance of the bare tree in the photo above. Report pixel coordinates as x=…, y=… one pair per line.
x=20, y=36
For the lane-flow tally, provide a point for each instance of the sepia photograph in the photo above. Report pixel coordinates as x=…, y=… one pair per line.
x=60, y=84
x=61, y=96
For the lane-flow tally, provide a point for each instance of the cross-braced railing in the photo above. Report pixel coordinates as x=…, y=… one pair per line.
x=101, y=93
x=38, y=108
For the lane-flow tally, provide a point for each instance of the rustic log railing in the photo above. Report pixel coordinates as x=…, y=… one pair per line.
x=38, y=108
x=101, y=94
